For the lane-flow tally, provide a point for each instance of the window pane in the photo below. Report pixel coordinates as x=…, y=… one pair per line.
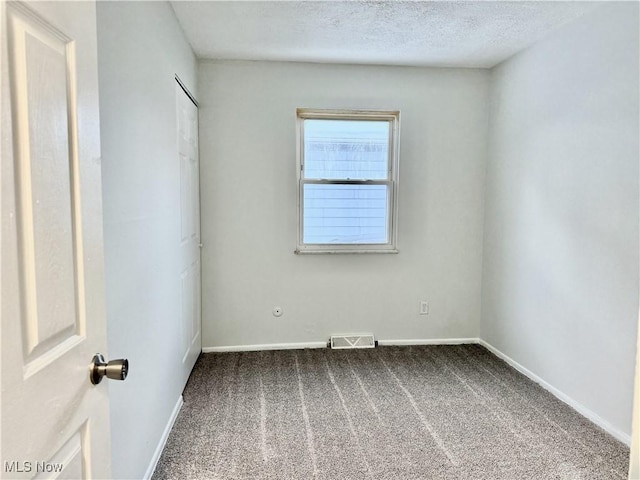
x=341, y=149
x=345, y=214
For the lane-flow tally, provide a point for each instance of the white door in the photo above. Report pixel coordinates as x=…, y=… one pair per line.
x=54, y=421
x=187, y=130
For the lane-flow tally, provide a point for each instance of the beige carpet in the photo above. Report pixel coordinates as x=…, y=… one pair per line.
x=397, y=413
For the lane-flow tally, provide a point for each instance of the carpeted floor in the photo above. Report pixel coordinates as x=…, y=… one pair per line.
x=397, y=413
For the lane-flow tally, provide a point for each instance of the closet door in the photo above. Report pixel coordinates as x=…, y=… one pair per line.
x=187, y=126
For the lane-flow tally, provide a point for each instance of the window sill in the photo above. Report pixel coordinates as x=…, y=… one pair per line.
x=342, y=252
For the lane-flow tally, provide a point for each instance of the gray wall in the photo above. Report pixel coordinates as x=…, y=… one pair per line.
x=141, y=47
x=560, y=276
x=248, y=178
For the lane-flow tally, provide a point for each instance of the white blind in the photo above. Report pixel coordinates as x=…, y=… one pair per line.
x=345, y=213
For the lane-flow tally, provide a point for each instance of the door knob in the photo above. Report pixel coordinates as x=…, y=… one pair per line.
x=115, y=369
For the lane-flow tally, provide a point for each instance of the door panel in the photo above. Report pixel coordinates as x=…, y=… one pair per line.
x=187, y=139
x=53, y=315
x=44, y=92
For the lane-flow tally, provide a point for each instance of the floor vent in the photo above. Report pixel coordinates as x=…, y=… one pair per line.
x=352, y=341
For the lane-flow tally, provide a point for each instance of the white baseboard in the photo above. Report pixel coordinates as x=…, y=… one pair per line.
x=163, y=439
x=267, y=346
x=584, y=411
x=429, y=341
x=290, y=346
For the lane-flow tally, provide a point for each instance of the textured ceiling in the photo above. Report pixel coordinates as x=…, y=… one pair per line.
x=417, y=33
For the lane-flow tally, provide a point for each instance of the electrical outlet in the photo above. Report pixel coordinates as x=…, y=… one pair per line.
x=424, y=308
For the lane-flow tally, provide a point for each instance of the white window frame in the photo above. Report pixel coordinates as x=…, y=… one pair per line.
x=393, y=117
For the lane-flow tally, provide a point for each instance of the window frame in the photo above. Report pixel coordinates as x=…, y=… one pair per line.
x=391, y=116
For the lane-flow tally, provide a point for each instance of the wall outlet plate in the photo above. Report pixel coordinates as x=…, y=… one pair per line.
x=424, y=308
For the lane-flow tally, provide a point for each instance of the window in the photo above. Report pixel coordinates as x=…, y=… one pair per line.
x=347, y=188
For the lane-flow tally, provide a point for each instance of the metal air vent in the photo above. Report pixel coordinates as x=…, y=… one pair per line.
x=352, y=341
